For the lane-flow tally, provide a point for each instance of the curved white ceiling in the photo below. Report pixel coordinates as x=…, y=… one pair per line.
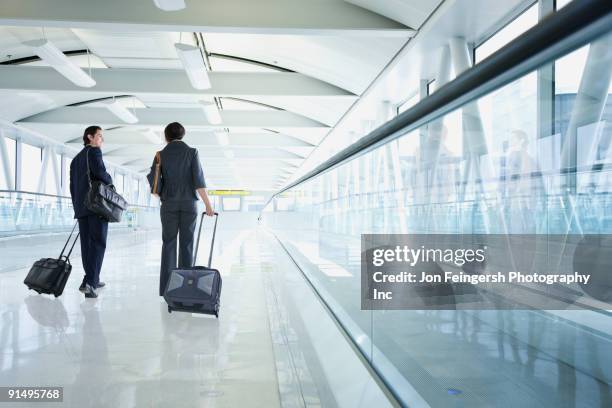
x=272, y=140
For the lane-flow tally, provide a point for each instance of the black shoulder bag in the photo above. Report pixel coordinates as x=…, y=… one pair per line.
x=103, y=200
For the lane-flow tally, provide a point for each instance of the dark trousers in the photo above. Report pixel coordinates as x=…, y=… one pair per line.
x=178, y=218
x=93, y=230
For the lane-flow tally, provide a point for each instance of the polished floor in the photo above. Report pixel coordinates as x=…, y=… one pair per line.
x=124, y=349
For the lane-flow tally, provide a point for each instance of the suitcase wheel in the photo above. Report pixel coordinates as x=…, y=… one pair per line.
x=169, y=309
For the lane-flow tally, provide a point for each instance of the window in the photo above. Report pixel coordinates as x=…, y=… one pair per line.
x=31, y=164
x=66, y=180
x=285, y=203
x=409, y=103
x=231, y=203
x=118, y=182
x=516, y=27
x=136, y=190
x=50, y=186
x=254, y=203
x=431, y=87
x=11, y=148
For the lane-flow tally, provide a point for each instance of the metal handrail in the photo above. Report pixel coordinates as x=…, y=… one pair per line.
x=33, y=193
x=63, y=197
x=573, y=26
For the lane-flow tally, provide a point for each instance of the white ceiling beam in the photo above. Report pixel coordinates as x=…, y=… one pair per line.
x=319, y=17
x=85, y=116
x=158, y=81
x=128, y=137
x=135, y=152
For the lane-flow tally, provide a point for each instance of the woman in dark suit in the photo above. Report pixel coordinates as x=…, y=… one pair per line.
x=183, y=181
x=93, y=229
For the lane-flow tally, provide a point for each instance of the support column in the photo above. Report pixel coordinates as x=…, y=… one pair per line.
x=4, y=157
x=588, y=105
x=42, y=177
x=63, y=174
x=473, y=134
x=422, y=95
x=442, y=78
x=57, y=176
x=546, y=83
x=474, y=142
x=18, y=164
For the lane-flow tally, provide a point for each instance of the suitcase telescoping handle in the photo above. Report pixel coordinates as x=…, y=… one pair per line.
x=68, y=240
x=212, y=243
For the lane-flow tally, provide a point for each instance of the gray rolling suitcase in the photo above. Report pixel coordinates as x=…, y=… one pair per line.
x=196, y=289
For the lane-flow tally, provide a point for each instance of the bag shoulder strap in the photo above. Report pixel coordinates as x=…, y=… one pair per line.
x=157, y=174
x=87, y=160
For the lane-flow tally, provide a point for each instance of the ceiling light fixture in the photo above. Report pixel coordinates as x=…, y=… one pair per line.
x=170, y=5
x=58, y=61
x=222, y=138
x=152, y=136
x=120, y=111
x=211, y=111
x=192, y=61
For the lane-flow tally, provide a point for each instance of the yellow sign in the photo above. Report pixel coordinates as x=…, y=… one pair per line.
x=229, y=192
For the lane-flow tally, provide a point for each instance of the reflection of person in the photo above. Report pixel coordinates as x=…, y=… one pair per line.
x=520, y=164
x=93, y=229
x=524, y=182
x=434, y=148
x=182, y=177
x=92, y=381
x=436, y=166
x=192, y=349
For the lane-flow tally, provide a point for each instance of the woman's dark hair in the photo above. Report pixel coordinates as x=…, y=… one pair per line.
x=91, y=130
x=174, y=131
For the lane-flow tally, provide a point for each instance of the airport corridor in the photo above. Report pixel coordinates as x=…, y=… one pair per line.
x=124, y=348
x=406, y=194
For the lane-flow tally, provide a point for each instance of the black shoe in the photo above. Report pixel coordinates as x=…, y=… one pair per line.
x=90, y=292
x=82, y=287
x=100, y=285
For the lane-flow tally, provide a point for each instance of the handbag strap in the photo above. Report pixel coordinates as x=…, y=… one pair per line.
x=68, y=240
x=87, y=159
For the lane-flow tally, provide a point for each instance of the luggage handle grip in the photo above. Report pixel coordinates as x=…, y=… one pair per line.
x=212, y=244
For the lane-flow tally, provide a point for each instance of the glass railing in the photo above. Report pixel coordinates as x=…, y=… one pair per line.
x=495, y=165
x=24, y=212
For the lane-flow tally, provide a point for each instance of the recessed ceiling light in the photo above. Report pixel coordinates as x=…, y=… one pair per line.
x=170, y=5
x=222, y=138
x=151, y=135
x=120, y=111
x=192, y=61
x=211, y=111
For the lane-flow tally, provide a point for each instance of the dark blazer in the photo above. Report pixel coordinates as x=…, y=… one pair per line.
x=79, y=184
x=181, y=172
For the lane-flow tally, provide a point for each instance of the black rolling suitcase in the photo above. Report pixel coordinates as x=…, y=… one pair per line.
x=49, y=275
x=196, y=289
